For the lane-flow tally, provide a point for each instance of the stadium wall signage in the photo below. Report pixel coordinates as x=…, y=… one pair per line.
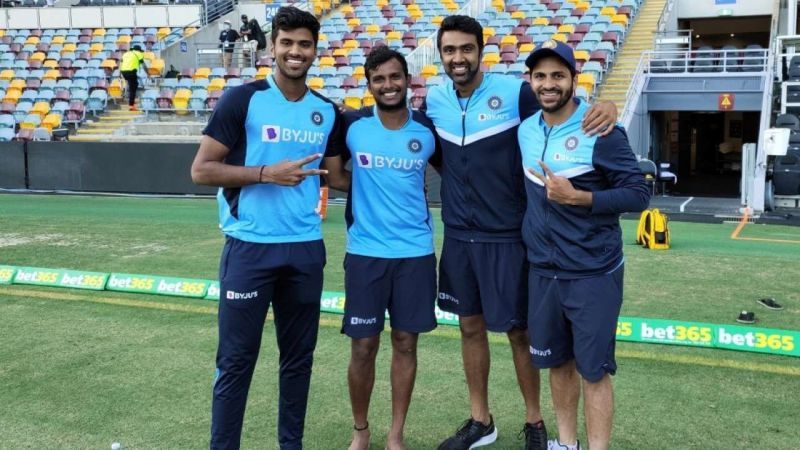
x=629, y=329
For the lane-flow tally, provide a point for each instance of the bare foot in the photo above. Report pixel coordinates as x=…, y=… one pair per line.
x=360, y=440
x=395, y=444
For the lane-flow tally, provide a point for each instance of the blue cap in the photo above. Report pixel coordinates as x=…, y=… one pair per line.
x=552, y=48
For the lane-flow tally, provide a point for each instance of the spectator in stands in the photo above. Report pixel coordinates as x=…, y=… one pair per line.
x=227, y=37
x=274, y=254
x=244, y=29
x=258, y=35
x=129, y=69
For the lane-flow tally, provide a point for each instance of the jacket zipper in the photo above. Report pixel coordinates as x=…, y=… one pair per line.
x=546, y=203
x=463, y=155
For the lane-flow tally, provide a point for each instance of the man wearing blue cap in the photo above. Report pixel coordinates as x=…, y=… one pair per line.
x=577, y=187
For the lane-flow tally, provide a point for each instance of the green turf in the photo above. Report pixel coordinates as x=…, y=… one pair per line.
x=78, y=374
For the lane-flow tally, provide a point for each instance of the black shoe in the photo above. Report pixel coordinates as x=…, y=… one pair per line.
x=471, y=434
x=769, y=303
x=535, y=436
x=746, y=317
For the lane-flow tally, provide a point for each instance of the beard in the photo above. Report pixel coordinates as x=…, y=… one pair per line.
x=470, y=75
x=388, y=107
x=563, y=98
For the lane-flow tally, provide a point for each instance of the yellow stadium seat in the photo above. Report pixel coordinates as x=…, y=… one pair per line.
x=18, y=84
x=217, y=84
x=541, y=21
x=115, y=89
x=68, y=48
x=181, y=100
x=201, y=72
x=40, y=108
x=488, y=32
x=2, y=32
x=346, y=9
x=7, y=74
x=263, y=72
x=124, y=39
x=316, y=83
x=499, y=5
x=148, y=56
x=29, y=125
x=413, y=7
x=188, y=31
x=450, y=6
x=620, y=19
x=350, y=44
x=566, y=29
x=583, y=5
x=373, y=28
x=381, y=3
x=51, y=74
x=559, y=37
x=368, y=100
x=12, y=96
x=416, y=14
x=354, y=22
x=162, y=33
x=326, y=61
x=57, y=40
x=491, y=59
x=608, y=11
x=37, y=56
x=99, y=32
x=156, y=67
x=32, y=40
x=581, y=55
x=358, y=72
x=526, y=48
x=518, y=15
x=587, y=81
x=95, y=48
x=429, y=70
x=341, y=52
x=509, y=39
x=394, y=35
x=352, y=102
x=109, y=64
x=322, y=37
x=50, y=64
x=52, y=120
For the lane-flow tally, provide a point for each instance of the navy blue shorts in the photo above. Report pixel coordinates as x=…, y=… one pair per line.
x=489, y=278
x=406, y=287
x=575, y=319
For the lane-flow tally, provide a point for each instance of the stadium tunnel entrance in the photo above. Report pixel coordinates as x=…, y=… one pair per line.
x=703, y=149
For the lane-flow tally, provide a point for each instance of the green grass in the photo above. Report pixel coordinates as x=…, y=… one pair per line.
x=77, y=373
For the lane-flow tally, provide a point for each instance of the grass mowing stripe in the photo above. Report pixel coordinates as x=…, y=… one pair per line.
x=329, y=321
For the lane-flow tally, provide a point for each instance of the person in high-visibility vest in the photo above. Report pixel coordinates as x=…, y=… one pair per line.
x=131, y=61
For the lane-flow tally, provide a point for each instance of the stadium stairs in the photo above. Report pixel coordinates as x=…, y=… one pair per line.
x=639, y=39
x=105, y=125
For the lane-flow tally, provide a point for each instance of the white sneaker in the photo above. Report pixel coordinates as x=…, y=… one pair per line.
x=553, y=444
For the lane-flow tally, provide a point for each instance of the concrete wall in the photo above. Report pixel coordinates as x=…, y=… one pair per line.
x=12, y=168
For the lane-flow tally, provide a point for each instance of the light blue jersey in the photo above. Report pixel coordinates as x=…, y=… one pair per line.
x=387, y=210
x=261, y=127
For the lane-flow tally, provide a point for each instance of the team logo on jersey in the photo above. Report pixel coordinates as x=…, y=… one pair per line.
x=495, y=102
x=364, y=160
x=271, y=133
x=551, y=44
x=571, y=143
x=317, y=118
x=414, y=146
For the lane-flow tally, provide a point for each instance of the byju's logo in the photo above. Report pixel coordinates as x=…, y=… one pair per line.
x=231, y=295
x=414, y=146
x=364, y=160
x=362, y=321
x=271, y=133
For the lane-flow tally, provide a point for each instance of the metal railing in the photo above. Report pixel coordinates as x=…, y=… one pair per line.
x=209, y=54
x=707, y=62
x=634, y=90
x=426, y=52
x=666, y=16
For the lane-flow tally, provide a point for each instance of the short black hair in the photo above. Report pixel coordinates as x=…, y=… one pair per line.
x=289, y=18
x=464, y=24
x=383, y=54
x=137, y=47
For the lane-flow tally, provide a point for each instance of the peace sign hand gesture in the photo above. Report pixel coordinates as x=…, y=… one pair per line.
x=560, y=189
x=290, y=173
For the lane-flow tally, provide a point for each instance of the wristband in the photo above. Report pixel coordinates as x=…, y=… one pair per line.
x=261, y=173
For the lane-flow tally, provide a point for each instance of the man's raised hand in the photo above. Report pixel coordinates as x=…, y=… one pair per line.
x=290, y=173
